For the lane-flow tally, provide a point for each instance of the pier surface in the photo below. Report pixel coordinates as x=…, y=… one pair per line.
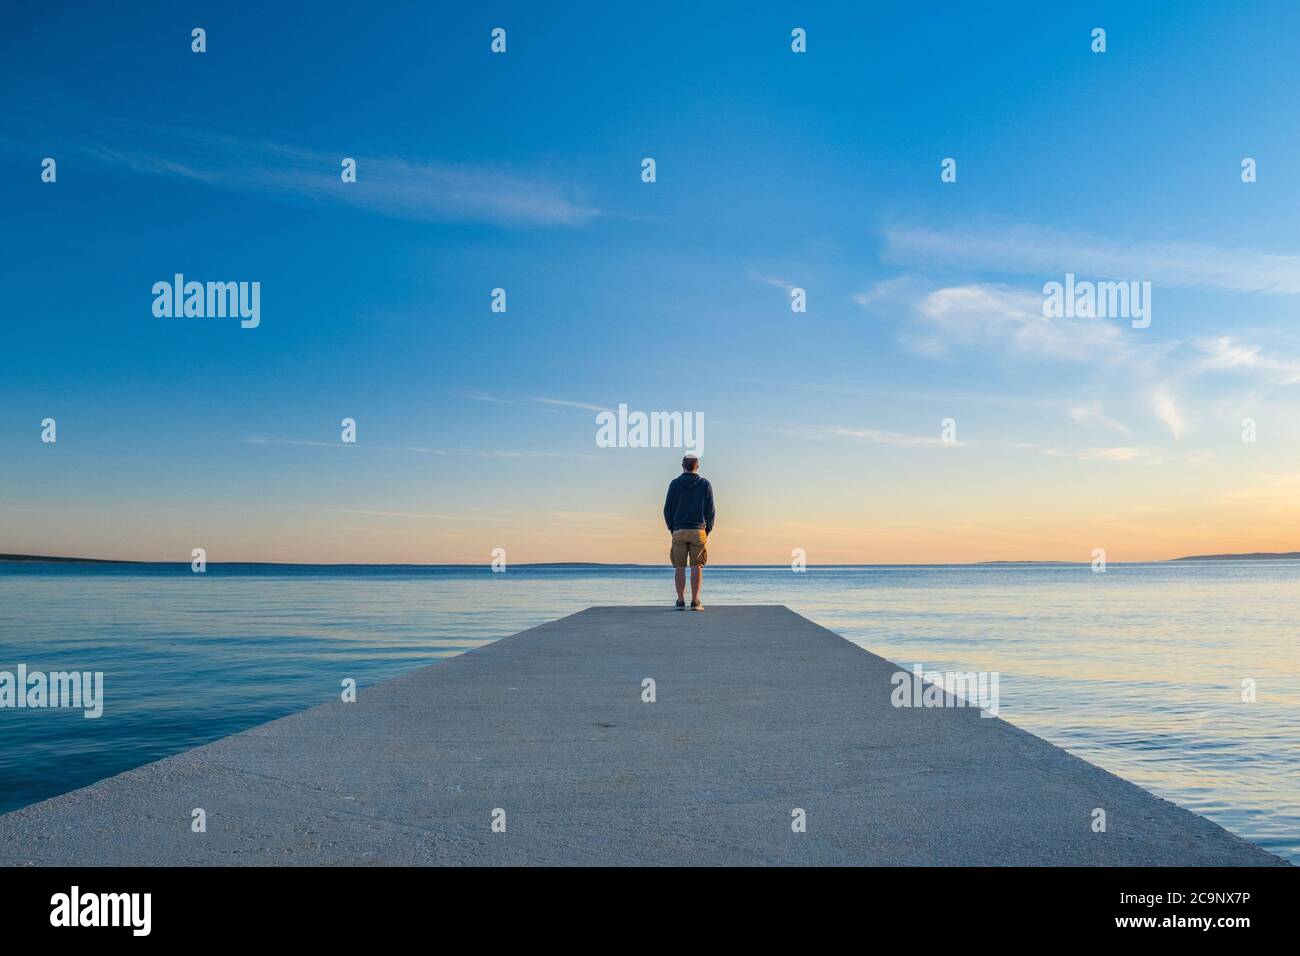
x=757, y=712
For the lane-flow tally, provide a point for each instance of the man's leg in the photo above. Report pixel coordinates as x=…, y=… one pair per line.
x=677, y=556
x=699, y=557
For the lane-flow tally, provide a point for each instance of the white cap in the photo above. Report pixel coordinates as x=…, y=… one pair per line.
x=691, y=454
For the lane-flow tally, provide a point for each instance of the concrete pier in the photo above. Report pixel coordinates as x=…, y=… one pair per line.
x=757, y=712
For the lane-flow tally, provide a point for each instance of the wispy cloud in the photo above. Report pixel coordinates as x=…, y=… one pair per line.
x=901, y=440
x=1029, y=250
x=992, y=316
x=903, y=394
x=1093, y=415
x=1133, y=370
x=564, y=403
x=417, y=449
x=1166, y=409
x=540, y=404
x=421, y=516
x=1224, y=353
x=485, y=397
x=773, y=281
x=874, y=436
x=477, y=516
x=1116, y=453
x=423, y=190
x=884, y=291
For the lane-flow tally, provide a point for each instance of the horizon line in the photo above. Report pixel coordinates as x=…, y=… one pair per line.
x=15, y=558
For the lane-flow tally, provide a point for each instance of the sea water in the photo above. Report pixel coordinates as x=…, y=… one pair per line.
x=1141, y=669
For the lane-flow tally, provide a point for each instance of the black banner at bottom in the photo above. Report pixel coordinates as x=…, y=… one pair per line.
x=303, y=905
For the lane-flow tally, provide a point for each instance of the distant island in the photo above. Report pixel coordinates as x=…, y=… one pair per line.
x=46, y=557
x=1253, y=556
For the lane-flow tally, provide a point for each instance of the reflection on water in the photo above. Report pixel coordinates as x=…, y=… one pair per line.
x=1138, y=670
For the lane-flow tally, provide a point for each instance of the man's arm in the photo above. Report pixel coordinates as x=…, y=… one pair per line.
x=708, y=509
x=670, y=504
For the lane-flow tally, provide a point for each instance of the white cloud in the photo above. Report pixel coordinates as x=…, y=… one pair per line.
x=1093, y=415
x=1166, y=409
x=418, y=449
x=885, y=290
x=1001, y=446
x=1118, y=453
x=1129, y=369
x=873, y=436
x=421, y=190
x=548, y=405
x=878, y=437
x=1224, y=353
x=772, y=280
x=998, y=317
x=564, y=403
x=1028, y=250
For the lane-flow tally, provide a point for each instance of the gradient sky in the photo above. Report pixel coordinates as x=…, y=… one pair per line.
x=477, y=430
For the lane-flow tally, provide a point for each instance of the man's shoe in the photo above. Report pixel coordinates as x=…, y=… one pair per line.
x=696, y=605
x=681, y=605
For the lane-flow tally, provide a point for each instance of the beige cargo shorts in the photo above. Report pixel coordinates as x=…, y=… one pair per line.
x=689, y=543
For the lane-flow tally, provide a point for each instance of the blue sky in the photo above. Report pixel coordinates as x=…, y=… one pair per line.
x=522, y=170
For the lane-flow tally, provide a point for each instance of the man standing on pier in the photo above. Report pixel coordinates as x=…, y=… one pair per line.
x=688, y=512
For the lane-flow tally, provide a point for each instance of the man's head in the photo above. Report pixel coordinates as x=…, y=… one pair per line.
x=691, y=462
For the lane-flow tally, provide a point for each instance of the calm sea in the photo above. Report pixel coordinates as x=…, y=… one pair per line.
x=1138, y=669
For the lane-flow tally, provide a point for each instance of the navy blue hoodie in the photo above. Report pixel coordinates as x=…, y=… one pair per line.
x=689, y=503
